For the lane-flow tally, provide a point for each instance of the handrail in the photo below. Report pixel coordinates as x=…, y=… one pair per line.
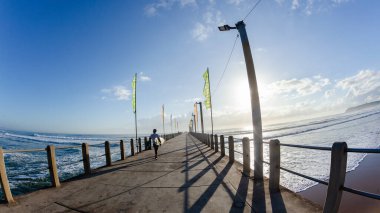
x=304, y=176
x=360, y=150
x=68, y=147
x=299, y=174
x=358, y=192
x=307, y=147
x=357, y=150
x=24, y=150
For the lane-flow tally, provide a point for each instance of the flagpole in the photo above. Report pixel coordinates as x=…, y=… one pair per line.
x=212, y=119
x=200, y=108
x=136, y=124
x=136, y=106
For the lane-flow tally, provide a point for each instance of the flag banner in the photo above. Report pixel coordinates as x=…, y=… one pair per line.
x=206, y=90
x=134, y=93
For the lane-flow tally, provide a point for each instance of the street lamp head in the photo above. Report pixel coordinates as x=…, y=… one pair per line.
x=224, y=28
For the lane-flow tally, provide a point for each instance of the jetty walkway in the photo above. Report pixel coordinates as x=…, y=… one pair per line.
x=187, y=177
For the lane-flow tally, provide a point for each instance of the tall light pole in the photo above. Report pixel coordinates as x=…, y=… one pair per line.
x=194, y=123
x=200, y=109
x=255, y=100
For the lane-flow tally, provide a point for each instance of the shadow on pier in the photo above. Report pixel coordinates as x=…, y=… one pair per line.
x=188, y=176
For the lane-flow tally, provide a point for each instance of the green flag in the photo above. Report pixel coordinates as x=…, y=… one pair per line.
x=134, y=93
x=206, y=90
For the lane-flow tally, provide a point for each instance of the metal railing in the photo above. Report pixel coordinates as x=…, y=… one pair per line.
x=86, y=159
x=338, y=164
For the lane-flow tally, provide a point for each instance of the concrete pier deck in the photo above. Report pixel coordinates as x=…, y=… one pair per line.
x=187, y=177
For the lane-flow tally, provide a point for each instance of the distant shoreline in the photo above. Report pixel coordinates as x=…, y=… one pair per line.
x=363, y=106
x=366, y=177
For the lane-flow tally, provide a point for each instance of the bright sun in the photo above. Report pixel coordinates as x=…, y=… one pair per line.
x=242, y=96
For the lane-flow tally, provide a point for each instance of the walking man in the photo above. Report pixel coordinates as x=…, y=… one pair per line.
x=155, y=139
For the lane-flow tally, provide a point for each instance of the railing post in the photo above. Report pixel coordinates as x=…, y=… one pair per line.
x=139, y=144
x=231, y=147
x=222, y=150
x=274, y=169
x=212, y=141
x=246, y=157
x=150, y=143
x=146, y=143
x=216, y=143
x=52, y=166
x=107, y=150
x=122, y=150
x=337, y=177
x=132, y=148
x=86, y=159
x=4, y=180
x=208, y=140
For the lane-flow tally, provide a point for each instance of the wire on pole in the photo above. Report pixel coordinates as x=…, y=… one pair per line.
x=225, y=68
x=254, y=6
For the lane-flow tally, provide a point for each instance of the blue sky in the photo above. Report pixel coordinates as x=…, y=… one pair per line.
x=67, y=66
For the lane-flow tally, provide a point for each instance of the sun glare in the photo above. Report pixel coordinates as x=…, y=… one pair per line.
x=242, y=96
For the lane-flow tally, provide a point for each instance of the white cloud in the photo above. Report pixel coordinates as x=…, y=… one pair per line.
x=185, y=3
x=144, y=77
x=372, y=98
x=235, y=2
x=211, y=19
x=117, y=92
x=192, y=100
x=299, y=87
x=295, y=4
x=329, y=93
x=365, y=82
x=340, y=1
x=260, y=49
x=150, y=10
x=311, y=6
x=154, y=8
x=202, y=28
x=201, y=31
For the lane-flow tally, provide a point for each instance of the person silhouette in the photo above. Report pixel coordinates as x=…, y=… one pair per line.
x=155, y=139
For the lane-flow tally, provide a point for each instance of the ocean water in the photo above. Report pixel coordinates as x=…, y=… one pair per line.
x=28, y=171
x=360, y=129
